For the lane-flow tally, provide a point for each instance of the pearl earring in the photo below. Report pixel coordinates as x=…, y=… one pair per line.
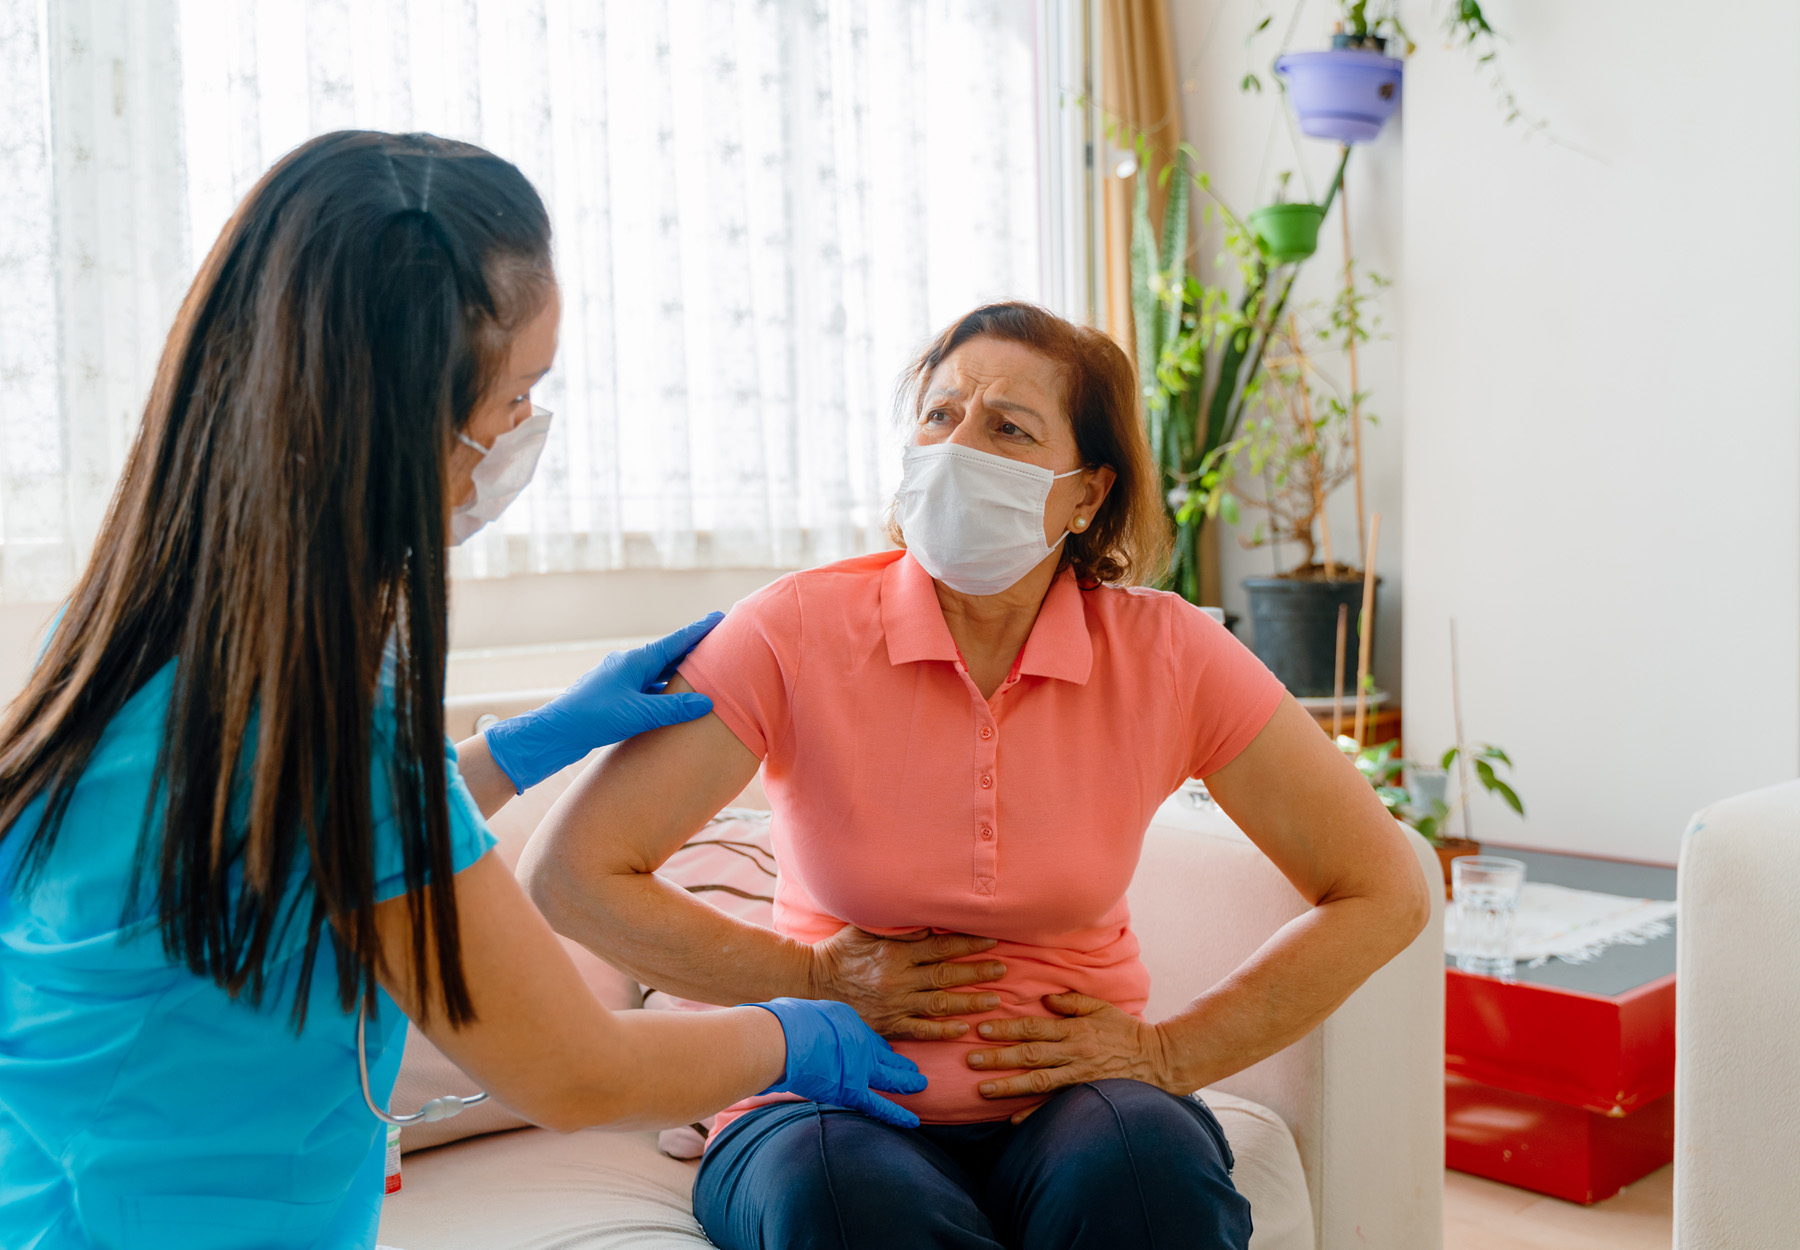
x=1080, y=522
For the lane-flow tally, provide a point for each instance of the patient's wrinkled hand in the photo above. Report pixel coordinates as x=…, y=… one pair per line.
x=906, y=986
x=1087, y=1040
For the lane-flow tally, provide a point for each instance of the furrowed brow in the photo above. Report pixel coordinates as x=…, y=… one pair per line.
x=1007, y=405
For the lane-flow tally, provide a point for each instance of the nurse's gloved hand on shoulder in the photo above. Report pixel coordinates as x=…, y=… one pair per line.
x=616, y=699
x=833, y=1057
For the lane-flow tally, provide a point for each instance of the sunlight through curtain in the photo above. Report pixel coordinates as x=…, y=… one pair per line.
x=762, y=208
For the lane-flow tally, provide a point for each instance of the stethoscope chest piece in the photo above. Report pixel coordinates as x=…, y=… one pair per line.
x=441, y=1108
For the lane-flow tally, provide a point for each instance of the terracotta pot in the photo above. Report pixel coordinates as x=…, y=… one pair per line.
x=1454, y=848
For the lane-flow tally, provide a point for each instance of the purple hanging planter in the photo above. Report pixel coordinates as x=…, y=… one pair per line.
x=1342, y=94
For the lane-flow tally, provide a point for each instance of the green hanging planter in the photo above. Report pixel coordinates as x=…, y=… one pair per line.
x=1287, y=232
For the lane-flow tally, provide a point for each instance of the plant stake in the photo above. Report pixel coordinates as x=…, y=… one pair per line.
x=1350, y=349
x=1337, y=694
x=1462, y=755
x=1365, y=623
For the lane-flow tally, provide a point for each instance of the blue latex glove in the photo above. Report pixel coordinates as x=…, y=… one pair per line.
x=833, y=1057
x=616, y=699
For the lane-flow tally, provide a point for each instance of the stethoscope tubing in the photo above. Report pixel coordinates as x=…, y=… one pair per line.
x=441, y=1108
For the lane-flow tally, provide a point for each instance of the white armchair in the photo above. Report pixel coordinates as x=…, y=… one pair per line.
x=1737, y=1025
x=1363, y=1094
x=1339, y=1138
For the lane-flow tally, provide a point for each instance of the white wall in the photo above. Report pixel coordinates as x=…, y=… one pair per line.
x=1244, y=141
x=1602, y=444
x=1592, y=391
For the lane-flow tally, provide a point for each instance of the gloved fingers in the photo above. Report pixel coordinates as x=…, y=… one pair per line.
x=896, y=1074
x=674, y=709
x=663, y=655
x=878, y=1108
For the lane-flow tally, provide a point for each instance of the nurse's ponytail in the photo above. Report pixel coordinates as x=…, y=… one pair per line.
x=278, y=535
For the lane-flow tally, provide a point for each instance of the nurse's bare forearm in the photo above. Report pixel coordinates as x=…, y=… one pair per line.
x=542, y=1044
x=669, y=1068
x=488, y=785
x=662, y=936
x=1284, y=990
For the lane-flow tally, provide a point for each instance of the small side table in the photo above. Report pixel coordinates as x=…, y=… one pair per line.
x=1562, y=1082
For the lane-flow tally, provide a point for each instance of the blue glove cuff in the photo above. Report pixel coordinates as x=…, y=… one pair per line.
x=523, y=754
x=781, y=1081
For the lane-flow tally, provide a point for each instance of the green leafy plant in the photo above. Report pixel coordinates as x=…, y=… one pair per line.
x=1484, y=756
x=1465, y=26
x=1200, y=345
x=1298, y=447
x=1357, y=21
x=1428, y=814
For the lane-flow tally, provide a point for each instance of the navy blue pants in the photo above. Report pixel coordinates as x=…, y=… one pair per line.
x=1114, y=1165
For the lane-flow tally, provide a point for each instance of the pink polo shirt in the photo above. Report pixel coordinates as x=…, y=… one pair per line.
x=903, y=799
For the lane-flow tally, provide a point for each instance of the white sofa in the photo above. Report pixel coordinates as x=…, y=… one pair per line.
x=1737, y=1026
x=1339, y=1138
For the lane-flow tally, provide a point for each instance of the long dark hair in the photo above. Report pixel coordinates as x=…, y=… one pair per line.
x=278, y=534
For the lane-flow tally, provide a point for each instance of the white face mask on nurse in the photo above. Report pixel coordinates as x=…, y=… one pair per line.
x=497, y=452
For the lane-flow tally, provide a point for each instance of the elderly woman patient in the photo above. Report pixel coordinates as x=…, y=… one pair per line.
x=963, y=743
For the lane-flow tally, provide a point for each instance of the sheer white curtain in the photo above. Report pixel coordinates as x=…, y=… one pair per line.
x=762, y=207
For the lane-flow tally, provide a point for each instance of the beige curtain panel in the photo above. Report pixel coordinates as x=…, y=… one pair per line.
x=1139, y=94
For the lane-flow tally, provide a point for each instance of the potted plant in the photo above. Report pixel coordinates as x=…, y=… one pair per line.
x=1347, y=92
x=1286, y=233
x=1200, y=346
x=1421, y=803
x=1298, y=448
x=1200, y=340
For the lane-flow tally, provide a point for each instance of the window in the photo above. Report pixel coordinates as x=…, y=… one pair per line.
x=763, y=208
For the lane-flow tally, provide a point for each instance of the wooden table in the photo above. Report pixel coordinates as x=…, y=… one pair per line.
x=1383, y=723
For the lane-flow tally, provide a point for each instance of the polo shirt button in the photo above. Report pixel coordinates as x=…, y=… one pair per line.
x=987, y=731
x=987, y=782
x=987, y=833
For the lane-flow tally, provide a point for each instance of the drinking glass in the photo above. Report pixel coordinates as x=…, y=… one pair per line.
x=1485, y=890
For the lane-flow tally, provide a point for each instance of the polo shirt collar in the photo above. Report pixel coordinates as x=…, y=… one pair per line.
x=913, y=623
x=1060, y=645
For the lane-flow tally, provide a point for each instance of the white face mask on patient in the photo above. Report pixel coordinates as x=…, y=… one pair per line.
x=504, y=471
x=973, y=520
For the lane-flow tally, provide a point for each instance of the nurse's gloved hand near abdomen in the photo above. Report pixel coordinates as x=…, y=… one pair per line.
x=618, y=698
x=834, y=1058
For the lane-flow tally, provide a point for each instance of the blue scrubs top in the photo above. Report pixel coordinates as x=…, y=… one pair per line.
x=139, y=1104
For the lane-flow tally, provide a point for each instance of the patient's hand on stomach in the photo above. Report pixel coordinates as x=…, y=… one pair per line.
x=909, y=985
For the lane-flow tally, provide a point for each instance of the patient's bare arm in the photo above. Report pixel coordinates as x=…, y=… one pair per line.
x=591, y=865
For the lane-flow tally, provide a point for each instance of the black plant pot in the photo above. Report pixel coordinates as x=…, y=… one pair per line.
x=1295, y=627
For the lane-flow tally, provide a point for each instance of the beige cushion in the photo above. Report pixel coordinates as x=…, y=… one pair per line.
x=595, y=1190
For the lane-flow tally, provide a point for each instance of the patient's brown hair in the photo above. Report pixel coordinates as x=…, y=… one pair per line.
x=1129, y=540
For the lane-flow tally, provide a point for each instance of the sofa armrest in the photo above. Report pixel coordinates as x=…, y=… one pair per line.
x=1737, y=1024
x=1363, y=1093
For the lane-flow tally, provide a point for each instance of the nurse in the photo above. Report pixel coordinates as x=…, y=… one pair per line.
x=232, y=830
